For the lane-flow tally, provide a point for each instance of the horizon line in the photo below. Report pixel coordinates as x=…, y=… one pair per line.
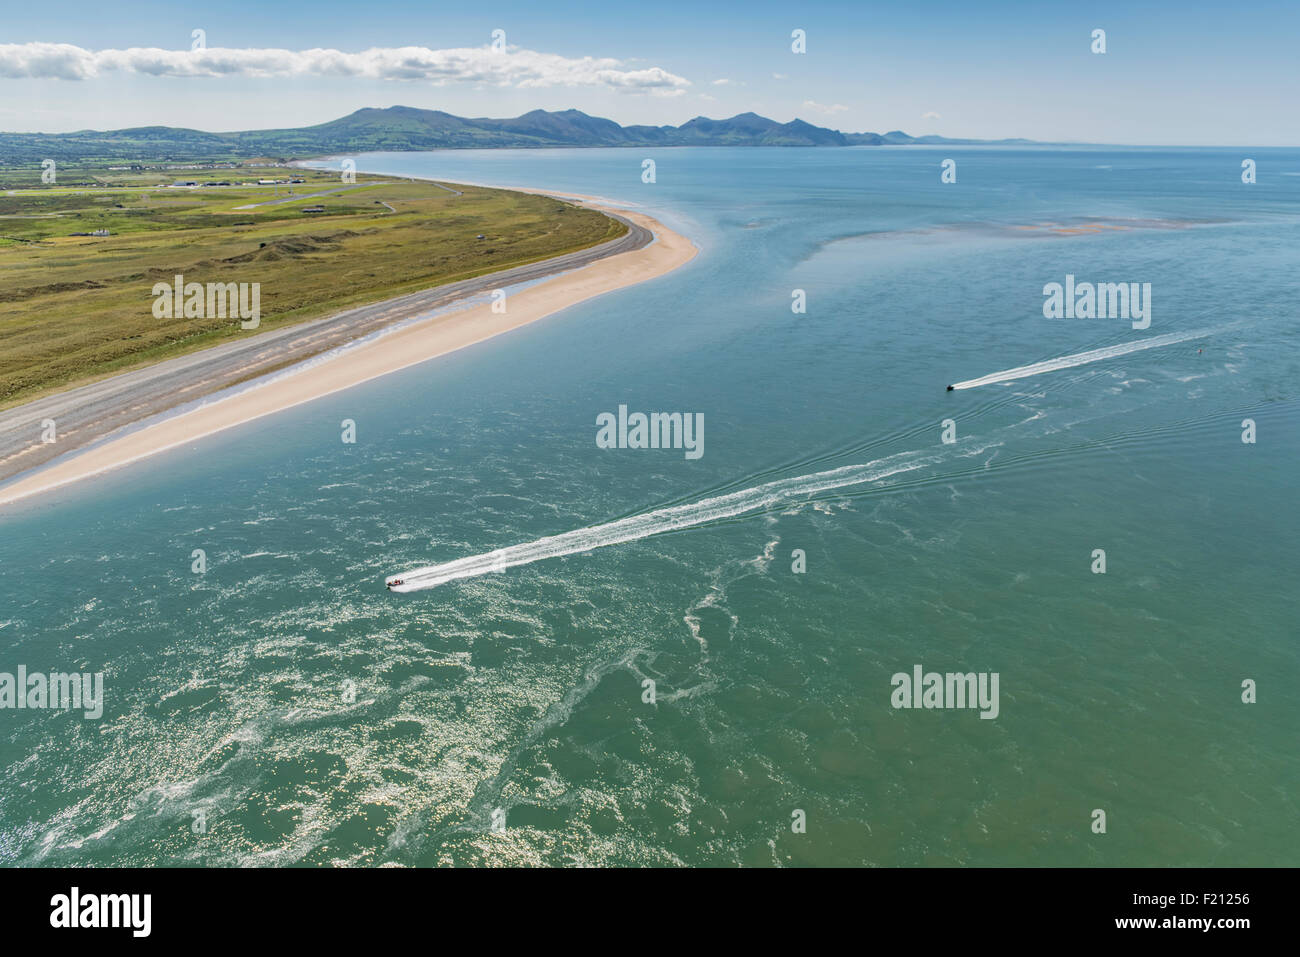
x=953, y=140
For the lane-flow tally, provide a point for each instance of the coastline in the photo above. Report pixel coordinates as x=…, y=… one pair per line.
x=393, y=348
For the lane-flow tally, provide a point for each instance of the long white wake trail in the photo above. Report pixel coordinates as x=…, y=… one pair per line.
x=668, y=519
x=1082, y=358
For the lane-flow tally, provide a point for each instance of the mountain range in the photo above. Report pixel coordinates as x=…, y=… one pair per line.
x=408, y=128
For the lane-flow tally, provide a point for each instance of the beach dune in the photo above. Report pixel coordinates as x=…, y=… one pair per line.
x=398, y=348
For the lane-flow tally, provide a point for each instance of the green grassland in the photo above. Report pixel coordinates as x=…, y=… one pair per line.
x=84, y=173
x=75, y=308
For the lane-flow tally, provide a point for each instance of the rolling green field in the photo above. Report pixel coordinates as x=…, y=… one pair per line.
x=74, y=308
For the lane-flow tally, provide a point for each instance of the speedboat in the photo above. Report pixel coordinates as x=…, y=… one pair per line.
x=395, y=581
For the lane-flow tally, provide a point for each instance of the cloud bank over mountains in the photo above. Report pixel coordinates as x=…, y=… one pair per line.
x=509, y=67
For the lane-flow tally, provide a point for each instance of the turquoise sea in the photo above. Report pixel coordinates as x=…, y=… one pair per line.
x=284, y=708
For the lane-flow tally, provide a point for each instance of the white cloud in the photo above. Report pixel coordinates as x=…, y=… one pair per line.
x=828, y=109
x=932, y=115
x=780, y=76
x=514, y=67
x=722, y=82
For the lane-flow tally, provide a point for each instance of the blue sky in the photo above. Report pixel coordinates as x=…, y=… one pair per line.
x=1173, y=73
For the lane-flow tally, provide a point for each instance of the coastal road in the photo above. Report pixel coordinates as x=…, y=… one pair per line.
x=87, y=413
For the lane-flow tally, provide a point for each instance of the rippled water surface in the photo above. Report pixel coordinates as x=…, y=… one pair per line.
x=313, y=717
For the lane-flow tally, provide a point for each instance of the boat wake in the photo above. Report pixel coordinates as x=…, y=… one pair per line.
x=769, y=495
x=1082, y=358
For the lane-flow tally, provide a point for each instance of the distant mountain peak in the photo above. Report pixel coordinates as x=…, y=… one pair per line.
x=413, y=128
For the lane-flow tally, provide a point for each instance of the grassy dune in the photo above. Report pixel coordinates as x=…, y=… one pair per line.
x=77, y=308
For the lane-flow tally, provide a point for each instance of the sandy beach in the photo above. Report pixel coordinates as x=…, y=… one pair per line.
x=399, y=348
